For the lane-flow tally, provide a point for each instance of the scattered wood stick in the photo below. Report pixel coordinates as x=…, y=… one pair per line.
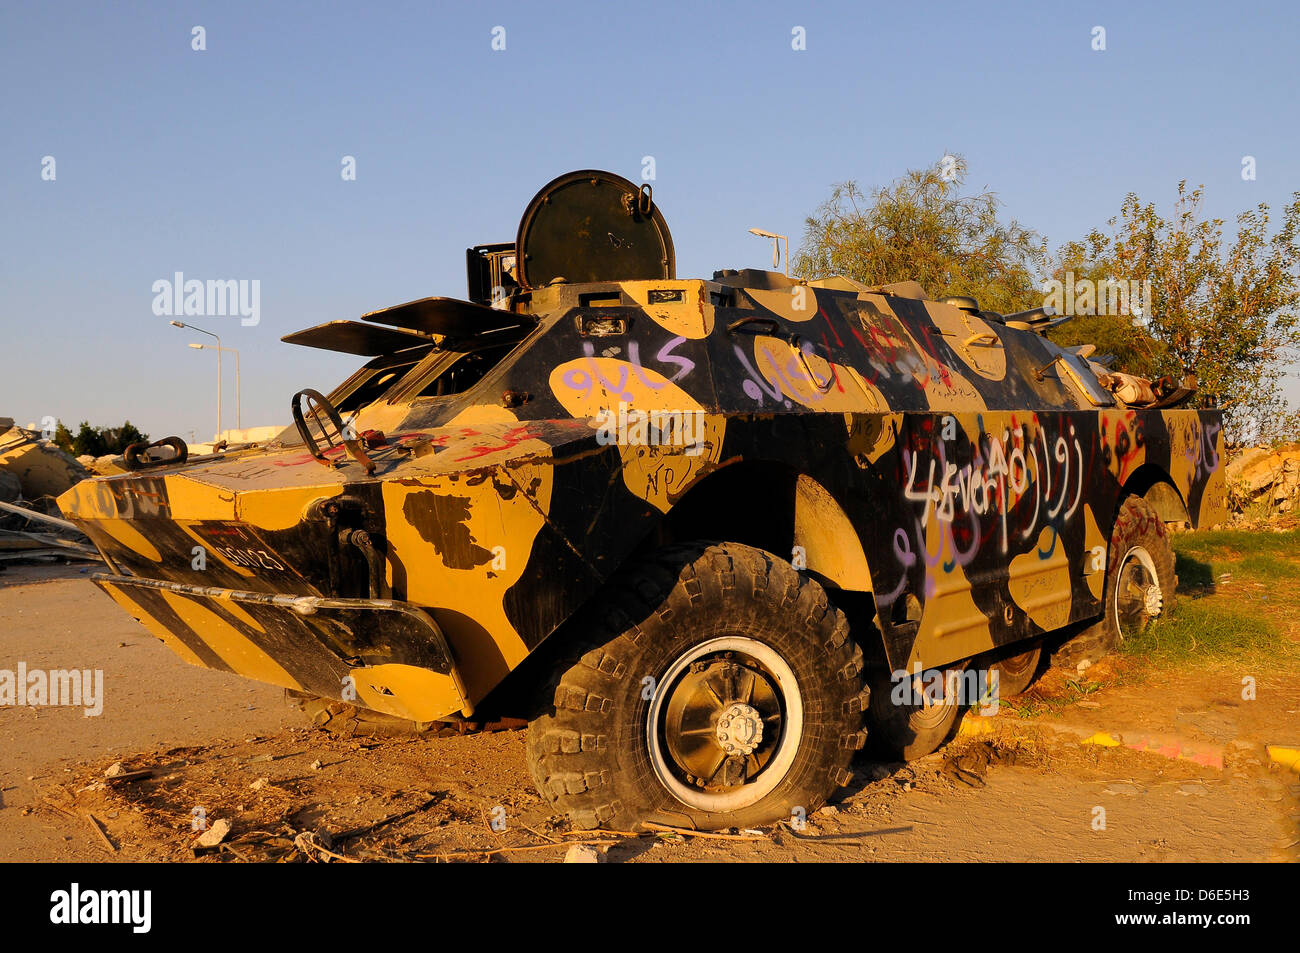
x=358, y=831
x=62, y=810
x=710, y=835
x=239, y=854
x=130, y=775
x=603, y=833
x=99, y=831
x=306, y=842
x=537, y=833
x=511, y=850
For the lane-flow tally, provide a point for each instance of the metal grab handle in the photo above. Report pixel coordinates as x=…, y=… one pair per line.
x=773, y=327
x=638, y=203
x=318, y=403
x=136, y=456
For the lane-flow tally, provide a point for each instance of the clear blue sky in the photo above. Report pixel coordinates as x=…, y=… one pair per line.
x=226, y=163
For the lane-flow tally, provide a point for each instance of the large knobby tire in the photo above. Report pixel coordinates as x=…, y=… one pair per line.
x=911, y=715
x=1140, y=584
x=700, y=647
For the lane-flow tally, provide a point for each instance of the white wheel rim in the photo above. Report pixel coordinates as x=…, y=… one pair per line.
x=1153, y=597
x=776, y=769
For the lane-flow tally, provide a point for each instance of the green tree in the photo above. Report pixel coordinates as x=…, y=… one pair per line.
x=101, y=441
x=1228, y=309
x=63, y=438
x=921, y=227
x=117, y=439
x=1125, y=341
x=88, y=440
x=1225, y=308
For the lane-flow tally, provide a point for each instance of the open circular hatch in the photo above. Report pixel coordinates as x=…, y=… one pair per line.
x=593, y=226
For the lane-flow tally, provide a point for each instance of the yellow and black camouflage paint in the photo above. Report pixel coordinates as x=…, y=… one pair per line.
x=946, y=463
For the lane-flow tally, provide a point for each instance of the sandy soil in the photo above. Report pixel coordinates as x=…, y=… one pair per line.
x=233, y=750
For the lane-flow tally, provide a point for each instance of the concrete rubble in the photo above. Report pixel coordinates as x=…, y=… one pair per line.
x=33, y=472
x=1264, y=481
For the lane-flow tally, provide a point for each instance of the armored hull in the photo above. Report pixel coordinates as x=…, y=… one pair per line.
x=950, y=478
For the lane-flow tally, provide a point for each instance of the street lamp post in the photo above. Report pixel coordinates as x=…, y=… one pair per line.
x=182, y=324
x=776, y=247
x=239, y=413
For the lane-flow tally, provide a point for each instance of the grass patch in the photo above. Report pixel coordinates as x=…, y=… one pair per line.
x=1234, y=543
x=1268, y=568
x=1202, y=629
x=1239, y=600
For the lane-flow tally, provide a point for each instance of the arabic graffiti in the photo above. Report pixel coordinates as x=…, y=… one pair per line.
x=1005, y=471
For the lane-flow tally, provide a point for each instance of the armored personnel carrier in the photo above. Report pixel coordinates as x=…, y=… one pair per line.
x=698, y=531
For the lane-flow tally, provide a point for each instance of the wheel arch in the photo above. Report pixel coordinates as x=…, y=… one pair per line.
x=768, y=505
x=774, y=507
x=1155, y=485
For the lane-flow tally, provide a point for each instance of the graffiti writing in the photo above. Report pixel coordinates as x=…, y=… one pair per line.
x=1005, y=471
x=584, y=380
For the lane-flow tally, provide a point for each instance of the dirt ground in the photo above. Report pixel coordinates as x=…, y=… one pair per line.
x=214, y=746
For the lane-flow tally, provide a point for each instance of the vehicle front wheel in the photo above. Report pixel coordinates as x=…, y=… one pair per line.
x=1140, y=584
x=716, y=687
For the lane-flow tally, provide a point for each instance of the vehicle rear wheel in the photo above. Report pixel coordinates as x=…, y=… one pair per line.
x=1140, y=584
x=912, y=718
x=1015, y=672
x=716, y=687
